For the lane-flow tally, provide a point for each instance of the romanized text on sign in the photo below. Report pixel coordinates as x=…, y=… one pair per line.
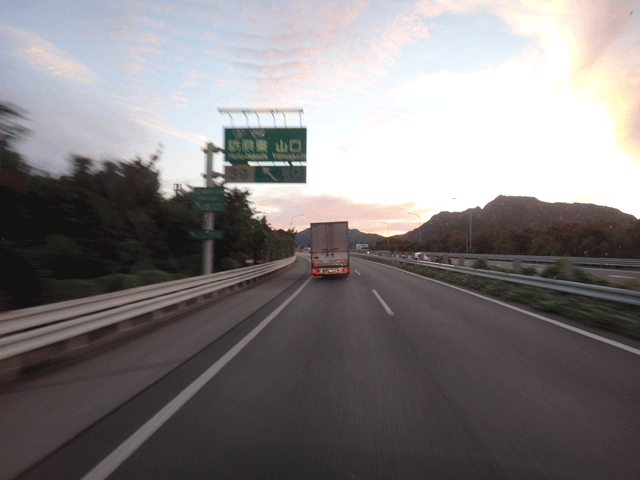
x=243, y=145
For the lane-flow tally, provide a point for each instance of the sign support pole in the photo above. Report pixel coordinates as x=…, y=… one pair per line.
x=208, y=217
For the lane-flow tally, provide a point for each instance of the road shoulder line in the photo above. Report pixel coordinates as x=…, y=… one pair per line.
x=131, y=444
x=619, y=345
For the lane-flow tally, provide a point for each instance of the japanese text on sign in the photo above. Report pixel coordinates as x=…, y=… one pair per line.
x=243, y=145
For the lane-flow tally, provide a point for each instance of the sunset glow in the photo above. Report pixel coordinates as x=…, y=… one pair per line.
x=407, y=104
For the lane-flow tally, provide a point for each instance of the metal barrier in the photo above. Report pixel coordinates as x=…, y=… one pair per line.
x=595, y=291
x=33, y=335
x=578, y=261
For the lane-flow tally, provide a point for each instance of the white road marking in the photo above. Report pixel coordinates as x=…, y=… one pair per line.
x=618, y=276
x=386, y=307
x=357, y=272
x=107, y=466
x=622, y=346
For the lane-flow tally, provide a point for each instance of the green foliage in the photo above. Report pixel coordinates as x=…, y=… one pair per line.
x=61, y=290
x=11, y=131
x=556, y=271
x=107, y=227
x=481, y=264
x=119, y=281
x=527, y=270
x=150, y=277
x=559, y=239
x=583, y=276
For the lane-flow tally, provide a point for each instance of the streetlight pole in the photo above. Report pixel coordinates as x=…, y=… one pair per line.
x=207, y=217
x=419, y=227
x=291, y=222
x=388, y=235
x=470, y=210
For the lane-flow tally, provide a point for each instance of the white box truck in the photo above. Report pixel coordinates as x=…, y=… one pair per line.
x=329, y=249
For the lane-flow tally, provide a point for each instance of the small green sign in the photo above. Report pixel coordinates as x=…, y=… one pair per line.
x=243, y=145
x=256, y=174
x=208, y=199
x=206, y=234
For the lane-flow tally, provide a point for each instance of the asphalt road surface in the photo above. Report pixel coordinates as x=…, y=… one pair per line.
x=381, y=375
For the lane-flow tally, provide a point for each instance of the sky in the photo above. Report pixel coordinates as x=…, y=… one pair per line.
x=407, y=104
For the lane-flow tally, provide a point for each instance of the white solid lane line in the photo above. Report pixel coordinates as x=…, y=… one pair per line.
x=107, y=466
x=619, y=345
x=386, y=307
x=617, y=276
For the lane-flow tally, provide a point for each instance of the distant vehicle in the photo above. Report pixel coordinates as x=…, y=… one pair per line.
x=420, y=256
x=329, y=249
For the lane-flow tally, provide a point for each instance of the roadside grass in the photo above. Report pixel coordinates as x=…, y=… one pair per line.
x=615, y=317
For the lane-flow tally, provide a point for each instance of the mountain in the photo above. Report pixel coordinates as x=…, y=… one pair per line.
x=303, y=239
x=513, y=213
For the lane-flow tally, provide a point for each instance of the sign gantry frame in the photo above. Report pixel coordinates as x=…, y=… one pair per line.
x=258, y=111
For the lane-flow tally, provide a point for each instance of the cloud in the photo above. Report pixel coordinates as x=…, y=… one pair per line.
x=179, y=100
x=163, y=126
x=363, y=216
x=592, y=47
x=135, y=35
x=314, y=51
x=39, y=53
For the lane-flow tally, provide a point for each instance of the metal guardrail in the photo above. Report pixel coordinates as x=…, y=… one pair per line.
x=594, y=291
x=579, y=261
x=69, y=324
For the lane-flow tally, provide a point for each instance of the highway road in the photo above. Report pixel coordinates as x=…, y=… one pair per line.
x=381, y=375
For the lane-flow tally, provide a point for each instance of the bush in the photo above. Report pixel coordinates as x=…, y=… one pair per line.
x=229, y=263
x=119, y=281
x=61, y=290
x=583, y=276
x=480, y=264
x=149, y=277
x=555, y=271
x=531, y=271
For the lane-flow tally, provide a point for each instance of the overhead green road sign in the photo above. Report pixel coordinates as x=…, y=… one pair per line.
x=208, y=199
x=206, y=234
x=243, y=145
x=255, y=174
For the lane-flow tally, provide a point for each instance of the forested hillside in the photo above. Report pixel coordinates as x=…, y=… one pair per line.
x=527, y=226
x=107, y=226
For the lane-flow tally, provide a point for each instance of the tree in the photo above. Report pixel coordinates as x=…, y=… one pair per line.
x=14, y=171
x=10, y=130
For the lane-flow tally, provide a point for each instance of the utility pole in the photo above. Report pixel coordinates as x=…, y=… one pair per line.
x=470, y=221
x=388, y=235
x=419, y=227
x=208, y=217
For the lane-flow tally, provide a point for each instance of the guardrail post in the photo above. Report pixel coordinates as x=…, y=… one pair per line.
x=517, y=265
x=445, y=259
x=461, y=261
x=567, y=267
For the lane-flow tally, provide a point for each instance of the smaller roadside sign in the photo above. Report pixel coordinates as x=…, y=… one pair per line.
x=209, y=199
x=259, y=174
x=206, y=234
